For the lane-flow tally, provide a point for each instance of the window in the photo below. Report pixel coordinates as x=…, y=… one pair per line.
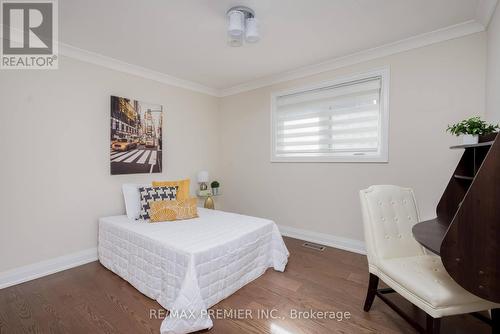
x=341, y=121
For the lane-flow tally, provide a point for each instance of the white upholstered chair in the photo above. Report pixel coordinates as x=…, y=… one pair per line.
x=394, y=256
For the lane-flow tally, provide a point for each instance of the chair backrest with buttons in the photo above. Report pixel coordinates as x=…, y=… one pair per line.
x=389, y=213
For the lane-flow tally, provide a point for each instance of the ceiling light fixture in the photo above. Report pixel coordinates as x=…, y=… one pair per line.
x=241, y=23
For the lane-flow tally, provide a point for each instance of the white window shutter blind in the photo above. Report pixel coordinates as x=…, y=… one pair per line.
x=337, y=120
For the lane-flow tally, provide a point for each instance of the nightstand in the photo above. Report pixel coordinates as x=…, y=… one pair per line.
x=208, y=196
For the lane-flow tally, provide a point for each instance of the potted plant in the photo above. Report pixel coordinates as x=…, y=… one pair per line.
x=215, y=187
x=470, y=129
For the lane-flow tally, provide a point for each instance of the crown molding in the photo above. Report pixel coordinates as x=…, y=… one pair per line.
x=440, y=35
x=118, y=65
x=485, y=11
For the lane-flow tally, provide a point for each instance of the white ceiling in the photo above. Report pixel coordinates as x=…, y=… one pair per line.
x=187, y=38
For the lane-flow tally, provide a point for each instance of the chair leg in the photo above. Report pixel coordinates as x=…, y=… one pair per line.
x=495, y=321
x=370, y=294
x=433, y=325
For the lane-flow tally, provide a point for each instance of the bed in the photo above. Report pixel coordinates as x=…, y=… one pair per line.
x=189, y=266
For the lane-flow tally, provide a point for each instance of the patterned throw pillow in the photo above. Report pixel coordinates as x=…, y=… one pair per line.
x=153, y=194
x=173, y=210
x=182, y=191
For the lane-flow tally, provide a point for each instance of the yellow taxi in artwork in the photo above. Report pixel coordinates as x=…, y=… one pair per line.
x=123, y=144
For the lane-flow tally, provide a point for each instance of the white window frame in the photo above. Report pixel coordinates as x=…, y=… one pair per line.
x=383, y=153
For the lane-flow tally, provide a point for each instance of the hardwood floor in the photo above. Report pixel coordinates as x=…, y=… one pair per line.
x=91, y=299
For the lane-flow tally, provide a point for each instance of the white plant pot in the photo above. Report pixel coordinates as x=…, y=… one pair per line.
x=470, y=139
x=215, y=191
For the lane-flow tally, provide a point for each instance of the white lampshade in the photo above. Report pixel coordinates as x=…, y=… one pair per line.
x=203, y=176
x=251, y=30
x=236, y=23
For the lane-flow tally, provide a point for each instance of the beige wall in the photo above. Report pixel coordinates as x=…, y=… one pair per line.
x=54, y=133
x=430, y=87
x=493, y=69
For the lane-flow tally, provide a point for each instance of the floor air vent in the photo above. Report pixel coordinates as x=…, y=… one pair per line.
x=313, y=246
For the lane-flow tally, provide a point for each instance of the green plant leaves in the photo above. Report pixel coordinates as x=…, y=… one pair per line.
x=472, y=126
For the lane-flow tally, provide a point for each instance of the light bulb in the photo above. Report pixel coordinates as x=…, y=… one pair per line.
x=235, y=41
x=236, y=23
x=251, y=30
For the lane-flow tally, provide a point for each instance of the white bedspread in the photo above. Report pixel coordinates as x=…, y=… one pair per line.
x=191, y=265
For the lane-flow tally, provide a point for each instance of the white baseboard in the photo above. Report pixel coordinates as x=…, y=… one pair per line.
x=351, y=245
x=47, y=267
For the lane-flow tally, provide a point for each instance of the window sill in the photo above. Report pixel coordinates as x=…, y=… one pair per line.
x=340, y=159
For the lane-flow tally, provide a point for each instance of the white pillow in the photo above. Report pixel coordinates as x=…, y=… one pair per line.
x=132, y=199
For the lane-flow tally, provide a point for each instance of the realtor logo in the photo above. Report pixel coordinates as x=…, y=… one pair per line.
x=29, y=34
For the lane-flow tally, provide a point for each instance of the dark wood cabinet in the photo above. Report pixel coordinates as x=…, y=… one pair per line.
x=466, y=231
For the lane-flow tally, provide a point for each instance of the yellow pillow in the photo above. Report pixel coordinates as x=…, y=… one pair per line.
x=161, y=211
x=183, y=187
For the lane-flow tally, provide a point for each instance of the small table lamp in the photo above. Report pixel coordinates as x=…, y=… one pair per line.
x=203, y=179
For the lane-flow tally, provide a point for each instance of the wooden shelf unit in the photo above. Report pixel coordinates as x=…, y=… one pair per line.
x=463, y=177
x=486, y=143
x=466, y=231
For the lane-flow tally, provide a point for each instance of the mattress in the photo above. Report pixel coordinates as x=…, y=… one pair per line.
x=190, y=265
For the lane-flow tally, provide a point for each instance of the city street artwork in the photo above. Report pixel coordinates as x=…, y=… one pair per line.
x=136, y=136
